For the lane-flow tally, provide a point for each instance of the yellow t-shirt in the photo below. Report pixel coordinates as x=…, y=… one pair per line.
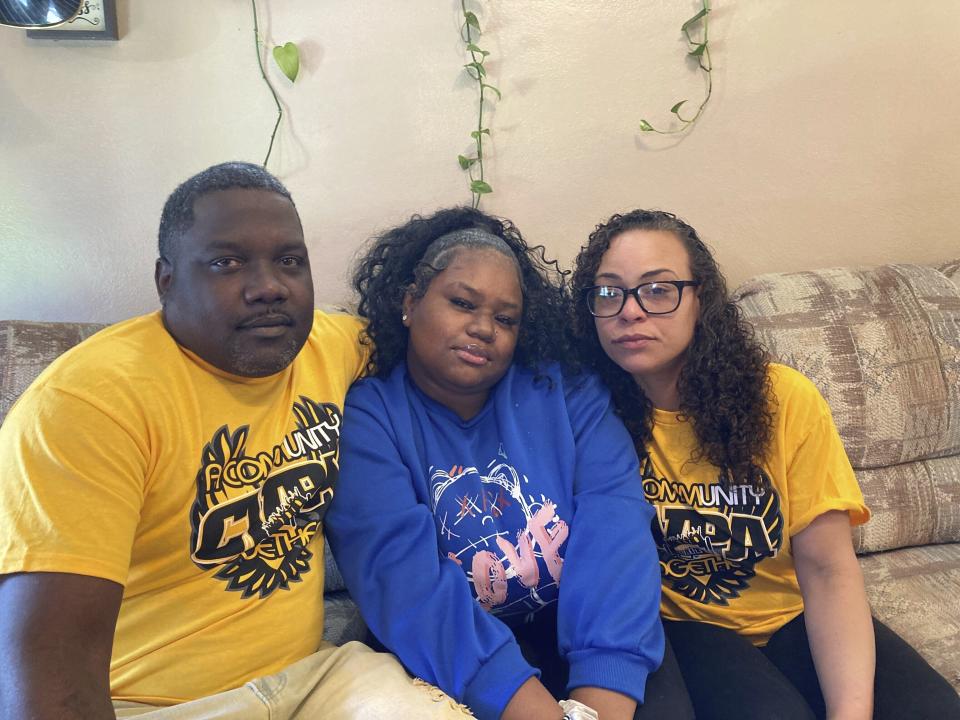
x=726, y=556
x=201, y=492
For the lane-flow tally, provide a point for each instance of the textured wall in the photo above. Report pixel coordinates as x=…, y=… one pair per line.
x=830, y=140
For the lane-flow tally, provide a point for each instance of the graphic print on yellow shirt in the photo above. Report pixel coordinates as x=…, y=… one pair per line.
x=710, y=538
x=726, y=554
x=257, y=511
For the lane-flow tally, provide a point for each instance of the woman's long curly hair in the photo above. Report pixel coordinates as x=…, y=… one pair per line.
x=723, y=385
x=392, y=265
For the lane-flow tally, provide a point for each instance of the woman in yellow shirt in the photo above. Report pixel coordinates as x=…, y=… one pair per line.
x=763, y=600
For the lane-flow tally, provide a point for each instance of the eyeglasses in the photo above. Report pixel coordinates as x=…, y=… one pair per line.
x=655, y=298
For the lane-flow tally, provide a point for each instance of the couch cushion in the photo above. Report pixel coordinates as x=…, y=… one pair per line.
x=915, y=503
x=916, y=591
x=883, y=346
x=951, y=270
x=342, y=621
x=26, y=348
x=332, y=578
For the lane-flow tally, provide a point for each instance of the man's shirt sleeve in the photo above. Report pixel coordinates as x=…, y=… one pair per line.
x=72, y=486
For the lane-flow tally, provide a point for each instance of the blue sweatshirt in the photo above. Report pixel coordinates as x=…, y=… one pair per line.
x=450, y=532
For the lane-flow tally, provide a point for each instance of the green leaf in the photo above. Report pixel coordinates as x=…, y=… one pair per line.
x=696, y=18
x=465, y=162
x=473, y=48
x=478, y=68
x=480, y=187
x=491, y=87
x=287, y=58
x=698, y=50
x=477, y=133
x=645, y=126
x=472, y=20
x=676, y=108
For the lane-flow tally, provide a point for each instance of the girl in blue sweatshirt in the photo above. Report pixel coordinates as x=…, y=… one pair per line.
x=489, y=519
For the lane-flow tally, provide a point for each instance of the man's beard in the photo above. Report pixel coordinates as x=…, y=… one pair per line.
x=250, y=364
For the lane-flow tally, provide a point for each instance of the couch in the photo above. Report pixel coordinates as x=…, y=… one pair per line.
x=883, y=346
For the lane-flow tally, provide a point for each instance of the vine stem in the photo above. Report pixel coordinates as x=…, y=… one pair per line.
x=476, y=200
x=263, y=73
x=707, y=68
x=473, y=58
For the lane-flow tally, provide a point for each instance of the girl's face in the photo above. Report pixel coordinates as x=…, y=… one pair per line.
x=463, y=331
x=649, y=347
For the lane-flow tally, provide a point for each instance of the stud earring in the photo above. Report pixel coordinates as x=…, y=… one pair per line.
x=403, y=317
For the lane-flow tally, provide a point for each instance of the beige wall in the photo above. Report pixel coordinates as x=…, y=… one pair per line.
x=831, y=138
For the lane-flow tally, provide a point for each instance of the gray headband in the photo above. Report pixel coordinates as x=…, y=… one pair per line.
x=466, y=237
x=436, y=253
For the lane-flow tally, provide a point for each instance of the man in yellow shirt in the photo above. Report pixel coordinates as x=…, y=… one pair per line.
x=164, y=485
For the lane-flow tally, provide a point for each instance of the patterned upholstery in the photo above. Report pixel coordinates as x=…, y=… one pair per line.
x=951, y=270
x=883, y=346
x=26, y=348
x=915, y=592
x=915, y=503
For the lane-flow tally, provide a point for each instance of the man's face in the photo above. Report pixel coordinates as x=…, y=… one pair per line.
x=238, y=291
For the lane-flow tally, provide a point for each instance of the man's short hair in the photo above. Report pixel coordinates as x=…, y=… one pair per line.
x=177, y=216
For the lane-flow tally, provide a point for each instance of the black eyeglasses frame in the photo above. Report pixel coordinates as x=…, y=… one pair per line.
x=635, y=291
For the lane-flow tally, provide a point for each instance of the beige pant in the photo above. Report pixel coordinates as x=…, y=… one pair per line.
x=350, y=682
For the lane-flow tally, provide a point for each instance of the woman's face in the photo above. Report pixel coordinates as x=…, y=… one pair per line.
x=463, y=331
x=649, y=347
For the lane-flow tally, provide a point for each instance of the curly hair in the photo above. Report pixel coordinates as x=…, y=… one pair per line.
x=723, y=386
x=393, y=264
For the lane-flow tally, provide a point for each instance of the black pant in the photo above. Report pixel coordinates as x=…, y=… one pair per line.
x=714, y=674
x=538, y=643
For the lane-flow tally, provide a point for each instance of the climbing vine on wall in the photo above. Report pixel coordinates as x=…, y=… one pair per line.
x=698, y=49
x=473, y=165
x=287, y=57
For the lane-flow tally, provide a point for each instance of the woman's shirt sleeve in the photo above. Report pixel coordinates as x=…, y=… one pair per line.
x=819, y=475
x=609, y=608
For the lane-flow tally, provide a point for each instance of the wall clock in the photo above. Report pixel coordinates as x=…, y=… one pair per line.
x=97, y=20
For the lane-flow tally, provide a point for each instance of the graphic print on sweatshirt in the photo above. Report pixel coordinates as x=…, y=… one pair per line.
x=710, y=539
x=256, y=512
x=508, y=542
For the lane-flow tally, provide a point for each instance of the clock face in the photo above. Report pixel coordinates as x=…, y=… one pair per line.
x=91, y=17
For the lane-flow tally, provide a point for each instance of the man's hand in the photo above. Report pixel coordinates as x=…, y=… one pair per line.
x=56, y=636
